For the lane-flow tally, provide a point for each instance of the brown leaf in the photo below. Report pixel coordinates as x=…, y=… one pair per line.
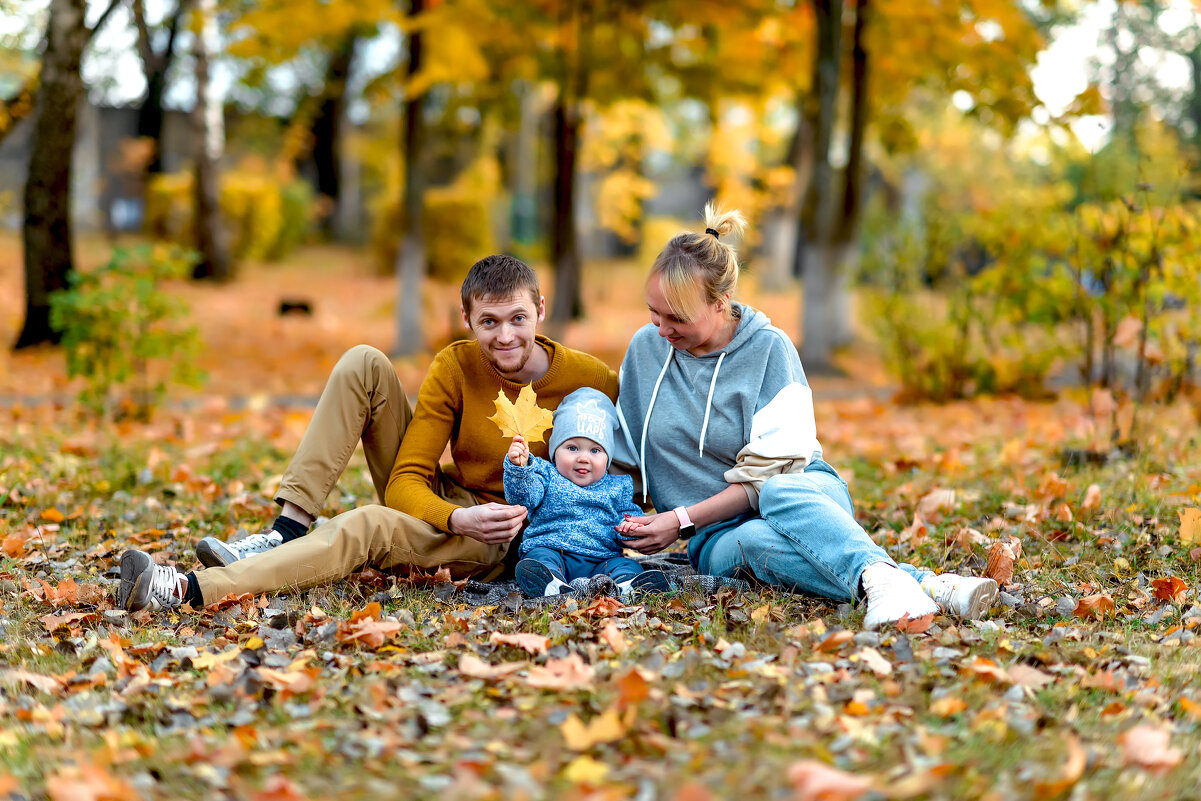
x=693, y=791
x=1073, y=769
x=367, y=631
x=568, y=673
x=835, y=641
x=279, y=788
x=604, y=606
x=816, y=781
x=525, y=418
x=531, y=643
x=935, y=504
x=986, y=670
x=88, y=783
x=1027, y=676
x=1169, y=589
x=1148, y=747
x=1092, y=497
x=476, y=668
x=916, y=533
x=632, y=689
x=290, y=682
x=68, y=620
x=47, y=684
x=1098, y=605
x=1000, y=563
x=914, y=626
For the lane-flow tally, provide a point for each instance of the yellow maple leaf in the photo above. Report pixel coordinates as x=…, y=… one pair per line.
x=1190, y=525
x=580, y=736
x=525, y=418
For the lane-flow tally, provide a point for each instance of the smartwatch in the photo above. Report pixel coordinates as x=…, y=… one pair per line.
x=687, y=527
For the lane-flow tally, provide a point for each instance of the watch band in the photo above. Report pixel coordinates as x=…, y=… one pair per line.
x=687, y=527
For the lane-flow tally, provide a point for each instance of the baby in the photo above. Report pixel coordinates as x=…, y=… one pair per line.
x=574, y=504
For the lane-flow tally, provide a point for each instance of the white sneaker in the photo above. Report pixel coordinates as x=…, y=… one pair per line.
x=892, y=594
x=965, y=597
x=145, y=585
x=212, y=552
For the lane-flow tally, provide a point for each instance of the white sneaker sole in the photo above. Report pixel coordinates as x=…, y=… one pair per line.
x=979, y=601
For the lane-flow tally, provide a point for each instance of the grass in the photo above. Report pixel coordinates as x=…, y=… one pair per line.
x=718, y=695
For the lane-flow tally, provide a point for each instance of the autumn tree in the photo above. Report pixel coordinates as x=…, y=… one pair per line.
x=156, y=48
x=410, y=257
x=46, y=229
x=208, y=128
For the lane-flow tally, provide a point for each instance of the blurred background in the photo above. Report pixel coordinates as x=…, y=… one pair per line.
x=946, y=198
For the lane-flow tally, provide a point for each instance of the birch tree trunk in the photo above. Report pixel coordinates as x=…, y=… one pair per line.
x=410, y=257
x=211, y=241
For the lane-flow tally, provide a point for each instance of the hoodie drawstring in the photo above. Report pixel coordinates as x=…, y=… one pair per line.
x=646, y=421
x=709, y=402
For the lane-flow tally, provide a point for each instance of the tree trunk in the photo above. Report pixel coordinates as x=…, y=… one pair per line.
x=47, y=226
x=211, y=242
x=410, y=257
x=782, y=225
x=155, y=66
x=567, y=304
x=827, y=308
x=327, y=129
x=1193, y=102
x=815, y=250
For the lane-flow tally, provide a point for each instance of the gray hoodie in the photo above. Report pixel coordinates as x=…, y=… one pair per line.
x=691, y=426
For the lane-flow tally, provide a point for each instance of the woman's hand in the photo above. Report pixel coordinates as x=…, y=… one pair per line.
x=649, y=534
x=519, y=452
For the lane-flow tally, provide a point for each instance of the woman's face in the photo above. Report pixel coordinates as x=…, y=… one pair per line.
x=708, y=332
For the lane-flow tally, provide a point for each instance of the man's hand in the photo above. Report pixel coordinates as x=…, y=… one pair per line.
x=650, y=534
x=490, y=523
x=519, y=452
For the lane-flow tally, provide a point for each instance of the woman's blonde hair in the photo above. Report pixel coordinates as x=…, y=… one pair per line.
x=692, y=261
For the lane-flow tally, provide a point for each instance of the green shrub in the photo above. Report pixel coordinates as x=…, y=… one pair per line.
x=121, y=329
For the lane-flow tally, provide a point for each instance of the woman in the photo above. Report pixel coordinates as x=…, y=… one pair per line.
x=719, y=420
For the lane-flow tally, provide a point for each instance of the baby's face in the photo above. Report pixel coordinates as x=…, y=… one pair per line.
x=581, y=461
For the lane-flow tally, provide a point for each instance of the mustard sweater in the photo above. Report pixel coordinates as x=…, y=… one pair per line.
x=454, y=404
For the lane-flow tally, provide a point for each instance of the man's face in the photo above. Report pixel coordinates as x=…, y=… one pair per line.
x=505, y=329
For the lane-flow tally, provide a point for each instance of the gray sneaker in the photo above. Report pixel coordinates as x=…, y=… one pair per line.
x=145, y=585
x=213, y=552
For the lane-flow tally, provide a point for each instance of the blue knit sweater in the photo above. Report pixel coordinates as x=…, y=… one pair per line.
x=566, y=516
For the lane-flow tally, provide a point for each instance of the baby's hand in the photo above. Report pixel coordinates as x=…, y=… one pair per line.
x=519, y=452
x=628, y=526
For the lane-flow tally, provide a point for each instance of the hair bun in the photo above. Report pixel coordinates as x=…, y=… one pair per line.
x=723, y=223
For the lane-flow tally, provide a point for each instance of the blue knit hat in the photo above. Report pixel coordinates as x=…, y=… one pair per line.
x=587, y=412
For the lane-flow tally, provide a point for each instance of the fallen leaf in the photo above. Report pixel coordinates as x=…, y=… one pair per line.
x=836, y=640
x=1148, y=747
x=476, y=668
x=279, y=788
x=1000, y=563
x=874, y=661
x=1190, y=525
x=1098, y=605
x=525, y=418
x=947, y=706
x=693, y=791
x=1073, y=769
x=915, y=625
x=52, y=515
x=632, y=689
x=1169, y=589
x=55, y=622
x=816, y=781
x=585, y=770
x=47, y=684
x=603, y=606
x=916, y=533
x=986, y=670
x=613, y=637
x=1092, y=497
x=1028, y=676
x=935, y=503
x=88, y=783
x=568, y=673
x=604, y=728
x=531, y=643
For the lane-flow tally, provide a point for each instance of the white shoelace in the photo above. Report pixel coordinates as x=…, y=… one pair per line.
x=256, y=543
x=164, y=586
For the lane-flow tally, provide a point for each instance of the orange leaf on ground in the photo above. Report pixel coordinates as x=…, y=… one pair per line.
x=47, y=684
x=279, y=788
x=986, y=670
x=1190, y=525
x=1092, y=497
x=836, y=640
x=55, y=622
x=1073, y=769
x=52, y=515
x=604, y=728
x=476, y=668
x=613, y=637
x=88, y=783
x=816, y=781
x=1098, y=605
x=935, y=503
x=632, y=689
x=947, y=706
x=693, y=791
x=1000, y=563
x=1148, y=747
x=916, y=533
x=568, y=673
x=1027, y=676
x=367, y=631
x=915, y=625
x=603, y=606
x=1168, y=589
x=531, y=643
x=371, y=610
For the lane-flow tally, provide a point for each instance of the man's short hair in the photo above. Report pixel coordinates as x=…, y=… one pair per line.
x=498, y=276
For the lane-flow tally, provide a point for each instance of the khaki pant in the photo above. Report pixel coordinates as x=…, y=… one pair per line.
x=362, y=401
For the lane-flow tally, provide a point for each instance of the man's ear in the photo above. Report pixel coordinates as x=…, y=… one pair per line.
x=466, y=322
x=541, y=308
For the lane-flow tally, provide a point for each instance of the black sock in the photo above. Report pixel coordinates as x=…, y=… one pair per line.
x=289, y=529
x=192, y=596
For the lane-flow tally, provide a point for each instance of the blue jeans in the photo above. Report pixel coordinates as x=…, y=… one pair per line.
x=568, y=566
x=804, y=539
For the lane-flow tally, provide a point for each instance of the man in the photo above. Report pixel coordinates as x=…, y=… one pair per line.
x=452, y=517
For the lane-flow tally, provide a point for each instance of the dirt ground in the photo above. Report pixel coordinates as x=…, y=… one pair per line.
x=252, y=352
